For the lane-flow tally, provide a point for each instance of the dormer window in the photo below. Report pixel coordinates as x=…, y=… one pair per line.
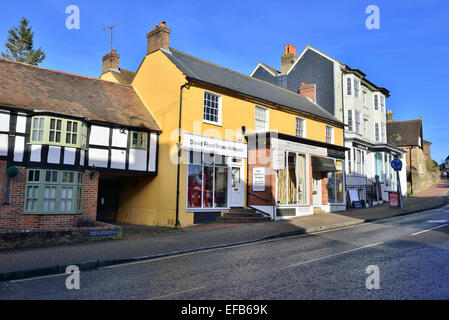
x=58, y=132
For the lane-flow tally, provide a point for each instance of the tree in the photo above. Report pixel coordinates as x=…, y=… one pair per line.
x=19, y=45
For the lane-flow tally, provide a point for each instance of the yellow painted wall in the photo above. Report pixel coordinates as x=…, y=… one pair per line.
x=108, y=76
x=157, y=82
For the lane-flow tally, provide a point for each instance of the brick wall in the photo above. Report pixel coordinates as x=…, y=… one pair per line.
x=324, y=192
x=12, y=217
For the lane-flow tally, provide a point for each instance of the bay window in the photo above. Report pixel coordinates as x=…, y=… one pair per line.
x=58, y=131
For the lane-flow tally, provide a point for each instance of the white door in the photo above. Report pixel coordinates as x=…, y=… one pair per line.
x=237, y=192
x=316, y=191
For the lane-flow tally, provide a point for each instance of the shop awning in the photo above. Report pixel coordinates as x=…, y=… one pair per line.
x=323, y=164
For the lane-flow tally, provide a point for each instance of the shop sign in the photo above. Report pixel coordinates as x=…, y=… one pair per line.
x=258, y=178
x=204, y=144
x=338, y=154
x=278, y=160
x=285, y=145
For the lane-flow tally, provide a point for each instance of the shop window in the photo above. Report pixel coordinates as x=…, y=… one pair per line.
x=207, y=181
x=53, y=191
x=291, y=180
x=335, y=184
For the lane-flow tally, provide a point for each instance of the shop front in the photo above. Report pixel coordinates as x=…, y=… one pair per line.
x=301, y=175
x=215, y=176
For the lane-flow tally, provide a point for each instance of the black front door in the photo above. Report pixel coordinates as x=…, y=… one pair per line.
x=108, y=200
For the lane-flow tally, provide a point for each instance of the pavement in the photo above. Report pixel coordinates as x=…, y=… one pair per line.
x=32, y=262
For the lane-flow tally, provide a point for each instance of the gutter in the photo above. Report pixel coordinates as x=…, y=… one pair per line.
x=177, y=224
x=335, y=122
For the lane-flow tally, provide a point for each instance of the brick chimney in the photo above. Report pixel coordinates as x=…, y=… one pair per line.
x=110, y=61
x=288, y=58
x=308, y=90
x=389, y=116
x=158, y=38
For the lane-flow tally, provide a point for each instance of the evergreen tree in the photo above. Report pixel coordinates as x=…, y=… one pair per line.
x=19, y=45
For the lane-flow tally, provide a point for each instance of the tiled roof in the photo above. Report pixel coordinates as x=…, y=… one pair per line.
x=213, y=74
x=410, y=131
x=123, y=76
x=36, y=89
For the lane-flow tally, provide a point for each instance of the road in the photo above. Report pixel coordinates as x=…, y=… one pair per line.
x=410, y=252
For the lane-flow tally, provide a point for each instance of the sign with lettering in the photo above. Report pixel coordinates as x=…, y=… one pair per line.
x=393, y=199
x=285, y=145
x=258, y=178
x=204, y=144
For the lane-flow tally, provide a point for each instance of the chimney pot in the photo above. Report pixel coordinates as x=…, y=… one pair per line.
x=110, y=61
x=288, y=58
x=158, y=38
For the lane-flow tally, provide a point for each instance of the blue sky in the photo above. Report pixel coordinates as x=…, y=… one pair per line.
x=408, y=55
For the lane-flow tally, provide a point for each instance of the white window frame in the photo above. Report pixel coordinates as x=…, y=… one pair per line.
x=350, y=121
x=376, y=106
x=267, y=119
x=219, y=111
x=356, y=87
x=303, y=121
x=332, y=136
x=365, y=127
x=349, y=86
x=377, y=137
x=357, y=123
x=382, y=103
x=383, y=132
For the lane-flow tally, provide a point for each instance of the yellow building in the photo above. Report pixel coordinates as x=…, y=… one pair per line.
x=228, y=141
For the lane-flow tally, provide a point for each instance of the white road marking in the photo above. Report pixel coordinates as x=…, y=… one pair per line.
x=335, y=254
x=41, y=277
x=437, y=221
x=419, y=232
x=177, y=293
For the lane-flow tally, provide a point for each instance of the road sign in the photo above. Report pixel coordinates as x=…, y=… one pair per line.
x=396, y=164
